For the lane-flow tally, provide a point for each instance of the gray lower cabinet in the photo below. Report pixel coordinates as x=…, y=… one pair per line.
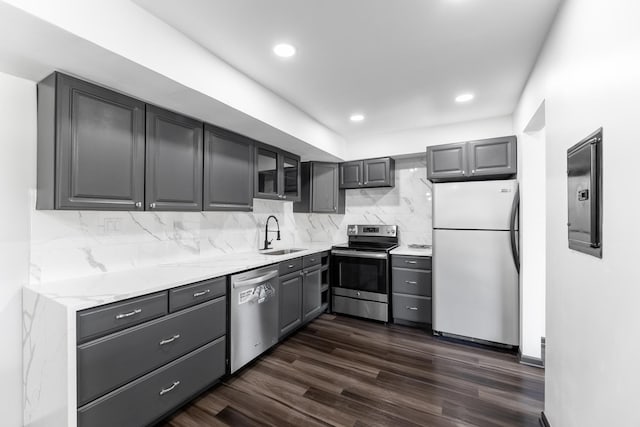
x=91, y=147
x=290, y=302
x=379, y=172
x=300, y=299
x=110, y=362
x=228, y=171
x=473, y=160
x=133, y=373
x=320, y=191
x=148, y=398
x=311, y=293
x=174, y=162
x=411, y=289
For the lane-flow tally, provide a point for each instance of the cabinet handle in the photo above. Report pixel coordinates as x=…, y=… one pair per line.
x=366, y=182
x=167, y=390
x=138, y=204
x=410, y=262
x=291, y=265
x=412, y=308
x=152, y=205
x=359, y=183
x=284, y=197
x=302, y=273
x=410, y=282
x=170, y=340
x=312, y=260
x=199, y=294
x=131, y=313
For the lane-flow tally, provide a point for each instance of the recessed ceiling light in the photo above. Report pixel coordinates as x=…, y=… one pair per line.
x=356, y=117
x=465, y=97
x=284, y=50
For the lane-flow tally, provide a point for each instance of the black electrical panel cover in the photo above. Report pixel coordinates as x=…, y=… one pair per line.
x=584, y=192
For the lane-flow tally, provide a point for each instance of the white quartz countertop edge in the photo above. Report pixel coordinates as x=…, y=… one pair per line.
x=406, y=250
x=86, y=292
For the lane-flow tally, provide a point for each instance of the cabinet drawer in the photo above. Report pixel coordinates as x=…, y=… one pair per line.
x=414, y=309
x=189, y=295
x=290, y=265
x=311, y=260
x=102, y=320
x=412, y=282
x=114, y=360
x=148, y=398
x=419, y=262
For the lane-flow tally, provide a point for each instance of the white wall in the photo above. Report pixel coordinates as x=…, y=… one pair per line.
x=588, y=77
x=17, y=177
x=531, y=178
x=416, y=140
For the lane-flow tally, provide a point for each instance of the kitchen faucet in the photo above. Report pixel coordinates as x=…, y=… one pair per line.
x=267, y=242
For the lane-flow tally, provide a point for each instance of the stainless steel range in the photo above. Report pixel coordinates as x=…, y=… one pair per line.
x=360, y=272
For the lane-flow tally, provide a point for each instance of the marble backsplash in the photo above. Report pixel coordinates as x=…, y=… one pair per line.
x=67, y=244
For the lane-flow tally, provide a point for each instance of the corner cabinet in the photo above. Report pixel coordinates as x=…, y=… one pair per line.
x=277, y=174
x=368, y=173
x=319, y=191
x=473, y=160
x=91, y=147
x=228, y=171
x=174, y=162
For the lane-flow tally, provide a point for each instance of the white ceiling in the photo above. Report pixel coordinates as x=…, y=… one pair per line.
x=399, y=62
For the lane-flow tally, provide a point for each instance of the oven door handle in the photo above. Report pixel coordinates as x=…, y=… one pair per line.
x=360, y=254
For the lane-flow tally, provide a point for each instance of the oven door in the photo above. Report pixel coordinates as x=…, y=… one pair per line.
x=360, y=271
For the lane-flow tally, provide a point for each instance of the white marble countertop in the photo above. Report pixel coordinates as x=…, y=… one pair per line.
x=406, y=250
x=86, y=292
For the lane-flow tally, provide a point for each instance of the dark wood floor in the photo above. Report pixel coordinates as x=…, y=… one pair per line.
x=347, y=372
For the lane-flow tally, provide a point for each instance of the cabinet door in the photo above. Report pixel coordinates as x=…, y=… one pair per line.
x=351, y=174
x=100, y=149
x=290, y=302
x=228, y=171
x=174, y=161
x=379, y=172
x=447, y=161
x=495, y=156
x=266, y=174
x=290, y=177
x=311, y=293
x=324, y=187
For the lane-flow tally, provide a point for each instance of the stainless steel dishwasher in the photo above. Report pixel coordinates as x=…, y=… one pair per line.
x=254, y=314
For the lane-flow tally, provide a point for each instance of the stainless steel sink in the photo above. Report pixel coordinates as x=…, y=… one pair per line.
x=283, y=251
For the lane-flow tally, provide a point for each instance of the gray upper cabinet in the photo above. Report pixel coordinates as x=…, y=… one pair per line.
x=174, y=162
x=320, y=192
x=379, y=172
x=473, y=160
x=277, y=174
x=448, y=161
x=351, y=174
x=495, y=156
x=91, y=145
x=228, y=171
x=368, y=173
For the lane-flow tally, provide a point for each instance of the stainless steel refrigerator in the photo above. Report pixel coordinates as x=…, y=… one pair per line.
x=475, y=260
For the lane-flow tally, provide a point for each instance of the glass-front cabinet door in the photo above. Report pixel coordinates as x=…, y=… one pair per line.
x=291, y=184
x=267, y=184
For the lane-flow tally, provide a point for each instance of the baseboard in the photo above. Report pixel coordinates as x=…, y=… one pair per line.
x=530, y=361
x=544, y=422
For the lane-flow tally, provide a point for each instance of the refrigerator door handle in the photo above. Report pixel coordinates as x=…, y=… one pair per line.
x=512, y=229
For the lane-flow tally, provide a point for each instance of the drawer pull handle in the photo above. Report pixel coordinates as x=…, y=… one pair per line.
x=410, y=262
x=167, y=390
x=312, y=260
x=410, y=282
x=291, y=265
x=170, y=340
x=129, y=314
x=199, y=294
x=412, y=308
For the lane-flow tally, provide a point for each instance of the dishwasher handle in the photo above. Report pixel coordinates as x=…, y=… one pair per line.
x=255, y=280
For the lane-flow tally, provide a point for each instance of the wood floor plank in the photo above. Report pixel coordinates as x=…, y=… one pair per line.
x=343, y=371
